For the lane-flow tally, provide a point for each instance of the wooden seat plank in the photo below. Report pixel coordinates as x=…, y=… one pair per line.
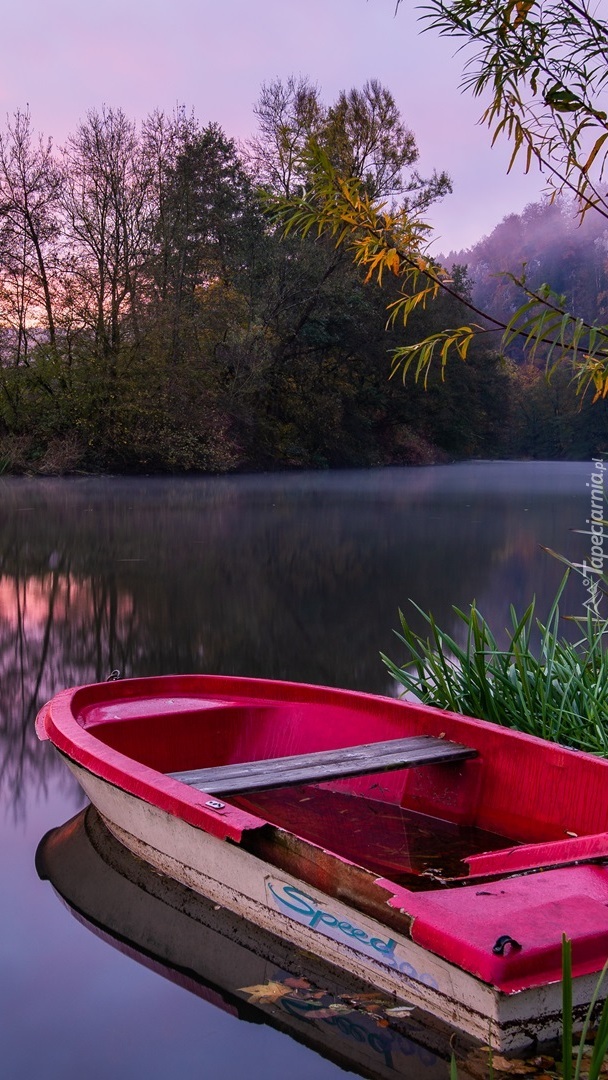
x=322, y=765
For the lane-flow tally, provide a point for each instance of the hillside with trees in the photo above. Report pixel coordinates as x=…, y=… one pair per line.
x=155, y=317
x=547, y=242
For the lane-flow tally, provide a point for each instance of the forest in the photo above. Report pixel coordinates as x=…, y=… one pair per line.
x=154, y=316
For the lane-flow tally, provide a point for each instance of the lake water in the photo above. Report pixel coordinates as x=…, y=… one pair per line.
x=285, y=576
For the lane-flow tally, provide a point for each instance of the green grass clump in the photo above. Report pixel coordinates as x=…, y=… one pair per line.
x=555, y=689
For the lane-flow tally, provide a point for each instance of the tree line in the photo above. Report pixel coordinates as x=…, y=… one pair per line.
x=154, y=316
x=546, y=242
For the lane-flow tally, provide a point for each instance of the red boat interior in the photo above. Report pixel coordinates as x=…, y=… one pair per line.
x=411, y=849
x=417, y=826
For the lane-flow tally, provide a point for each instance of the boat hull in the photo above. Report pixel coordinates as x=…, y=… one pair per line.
x=325, y=926
x=236, y=966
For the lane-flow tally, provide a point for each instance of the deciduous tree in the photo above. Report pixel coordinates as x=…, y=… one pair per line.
x=544, y=65
x=29, y=186
x=105, y=186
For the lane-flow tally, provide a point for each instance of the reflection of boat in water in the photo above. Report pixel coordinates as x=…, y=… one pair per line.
x=234, y=964
x=448, y=881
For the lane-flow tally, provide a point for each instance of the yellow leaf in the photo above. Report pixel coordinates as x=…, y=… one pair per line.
x=393, y=261
x=594, y=152
x=265, y=992
x=522, y=8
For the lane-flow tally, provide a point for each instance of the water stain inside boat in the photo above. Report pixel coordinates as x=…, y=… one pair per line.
x=411, y=849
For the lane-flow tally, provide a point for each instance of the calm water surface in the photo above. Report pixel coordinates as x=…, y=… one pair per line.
x=297, y=577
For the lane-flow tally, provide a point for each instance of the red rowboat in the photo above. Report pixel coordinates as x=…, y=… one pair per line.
x=438, y=857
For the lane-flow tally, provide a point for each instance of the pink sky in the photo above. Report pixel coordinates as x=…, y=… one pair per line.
x=64, y=58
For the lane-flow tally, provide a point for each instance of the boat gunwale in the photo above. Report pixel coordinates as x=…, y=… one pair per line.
x=60, y=722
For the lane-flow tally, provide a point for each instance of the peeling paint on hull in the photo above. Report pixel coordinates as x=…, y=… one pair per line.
x=225, y=873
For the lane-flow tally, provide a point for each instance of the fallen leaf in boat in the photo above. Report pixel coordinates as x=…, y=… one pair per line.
x=360, y=999
x=297, y=984
x=477, y=1064
x=325, y=1013
x=586, y=1062
x=515, y=1066
x=266, y=992
x=400, y=1010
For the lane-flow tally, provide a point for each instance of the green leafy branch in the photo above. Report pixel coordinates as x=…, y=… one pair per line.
x=422, y=354
x=394, y=241
x=545, y=65
x=542, y=320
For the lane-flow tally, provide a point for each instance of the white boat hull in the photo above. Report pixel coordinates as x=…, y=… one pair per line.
x=325, y=926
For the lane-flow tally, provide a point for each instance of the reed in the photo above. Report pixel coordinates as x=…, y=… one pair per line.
x=554, y=688
x=584, y=1065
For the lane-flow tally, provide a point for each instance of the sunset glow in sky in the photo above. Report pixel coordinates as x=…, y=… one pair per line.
x=64, y=58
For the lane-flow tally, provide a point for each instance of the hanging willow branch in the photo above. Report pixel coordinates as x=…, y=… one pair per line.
x=395, y=242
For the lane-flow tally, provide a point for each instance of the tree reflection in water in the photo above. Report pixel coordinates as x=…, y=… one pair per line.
x=293, y=577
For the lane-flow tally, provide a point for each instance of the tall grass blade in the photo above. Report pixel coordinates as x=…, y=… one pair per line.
x=600, y=1046
x=566, y=1008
